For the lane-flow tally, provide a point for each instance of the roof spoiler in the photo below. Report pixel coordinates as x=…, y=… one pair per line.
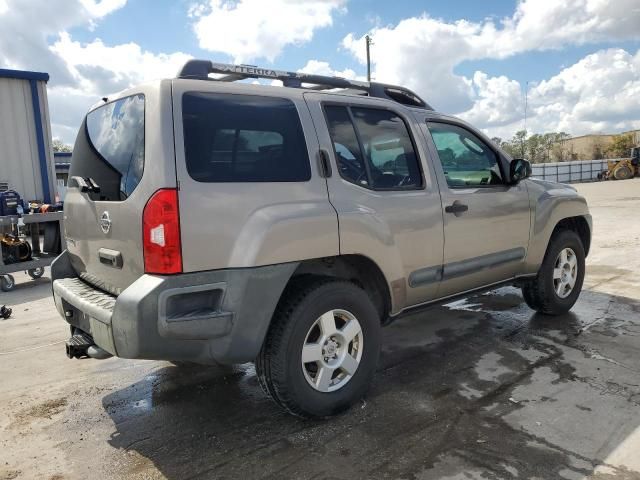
x=200, y=69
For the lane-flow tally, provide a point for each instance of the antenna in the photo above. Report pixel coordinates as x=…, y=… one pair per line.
x=524, y=139
x=526, y=92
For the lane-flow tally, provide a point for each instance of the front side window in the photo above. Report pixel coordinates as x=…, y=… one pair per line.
x=243, y=138
x=466, y=160
x=373, y=148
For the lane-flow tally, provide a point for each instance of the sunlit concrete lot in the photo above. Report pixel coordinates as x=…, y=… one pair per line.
x=481, y=388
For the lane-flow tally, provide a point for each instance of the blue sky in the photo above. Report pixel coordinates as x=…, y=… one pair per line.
x=147, y=23
x=578, y=59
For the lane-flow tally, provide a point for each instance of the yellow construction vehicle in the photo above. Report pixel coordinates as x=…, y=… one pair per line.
x=623, y=169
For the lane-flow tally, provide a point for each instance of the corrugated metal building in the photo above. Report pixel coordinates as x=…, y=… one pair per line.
x=26, y=153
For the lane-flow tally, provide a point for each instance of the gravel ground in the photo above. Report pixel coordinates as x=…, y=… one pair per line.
x=481, y=388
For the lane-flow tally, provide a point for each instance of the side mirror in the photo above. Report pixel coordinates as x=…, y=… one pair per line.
x=519, y=169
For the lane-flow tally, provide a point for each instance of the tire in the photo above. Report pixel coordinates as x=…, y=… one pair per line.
x=546, y=293
x=36, y=273
x=302, y=317
x=7, y=283
x=622, y=173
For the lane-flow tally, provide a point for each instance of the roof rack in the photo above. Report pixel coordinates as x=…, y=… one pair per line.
x=200, y=69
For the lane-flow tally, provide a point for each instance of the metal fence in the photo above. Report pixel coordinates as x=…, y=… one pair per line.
x=569, y=172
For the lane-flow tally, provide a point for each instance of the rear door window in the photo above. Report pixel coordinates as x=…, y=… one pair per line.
x=373, y=148
x=345, y=143
x=115, y=159
x=243, y=138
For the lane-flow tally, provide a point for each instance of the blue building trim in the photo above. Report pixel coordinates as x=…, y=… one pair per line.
x=24, y=75
x=42, y=154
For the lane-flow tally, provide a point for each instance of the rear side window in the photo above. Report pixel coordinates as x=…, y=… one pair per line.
x=373, y=148
x=243, y=138
x=115, y=157
x=345, y=143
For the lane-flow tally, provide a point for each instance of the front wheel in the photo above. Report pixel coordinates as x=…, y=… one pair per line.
x=322, y=348
x=559, y=281
x=7, y=283
x=622, y=173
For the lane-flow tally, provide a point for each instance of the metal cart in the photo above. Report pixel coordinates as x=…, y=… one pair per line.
x=35, y=266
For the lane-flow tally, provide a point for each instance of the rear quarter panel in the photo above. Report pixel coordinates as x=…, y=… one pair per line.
x=235, y=225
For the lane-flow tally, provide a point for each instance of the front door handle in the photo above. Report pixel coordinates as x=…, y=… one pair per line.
x=456, y=208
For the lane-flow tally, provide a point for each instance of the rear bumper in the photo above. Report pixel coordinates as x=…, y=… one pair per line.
x=219, y=315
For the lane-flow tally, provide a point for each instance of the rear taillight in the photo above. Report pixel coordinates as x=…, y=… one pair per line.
x=161, y=233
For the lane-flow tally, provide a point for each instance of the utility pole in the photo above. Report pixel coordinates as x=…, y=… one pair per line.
x=367, y=39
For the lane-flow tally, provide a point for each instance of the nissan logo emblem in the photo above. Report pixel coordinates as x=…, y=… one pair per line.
x=105, y=222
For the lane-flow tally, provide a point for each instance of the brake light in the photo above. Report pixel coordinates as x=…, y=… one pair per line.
x=161, y=233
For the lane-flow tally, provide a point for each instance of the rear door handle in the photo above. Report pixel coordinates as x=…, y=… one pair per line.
x=324, y=163
x=456, y=208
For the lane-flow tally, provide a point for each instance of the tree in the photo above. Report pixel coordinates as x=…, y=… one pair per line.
x=597, y=150
x=537, y=148
x=555, y=148
x=620, y=146
x=519, y=143
x=59, y=146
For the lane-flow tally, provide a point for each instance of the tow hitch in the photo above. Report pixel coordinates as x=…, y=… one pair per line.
x=81, y=345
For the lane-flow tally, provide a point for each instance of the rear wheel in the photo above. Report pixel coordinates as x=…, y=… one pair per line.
x=622, y=173
x=7, y=283
x=559, y=281
x=36, y=273
x=322, y=349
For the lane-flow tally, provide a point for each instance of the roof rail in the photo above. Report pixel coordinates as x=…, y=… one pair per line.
x=200, y=69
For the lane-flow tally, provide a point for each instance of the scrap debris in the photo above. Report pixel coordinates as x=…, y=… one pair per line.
x=5, y=312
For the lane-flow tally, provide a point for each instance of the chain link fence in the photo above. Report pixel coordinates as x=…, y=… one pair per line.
x=570, y=172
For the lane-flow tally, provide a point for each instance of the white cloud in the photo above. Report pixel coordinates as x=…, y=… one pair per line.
x=600, y=93
x=25, y=32
x=102, y=8
x=80, y=73
x=99, y=70
x=317, y=67
x=104, y=69
x=251, y=29
x=422, y=53
x=498, y=101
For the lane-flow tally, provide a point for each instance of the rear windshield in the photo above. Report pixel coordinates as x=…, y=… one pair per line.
x=110, y=148
x=243, y=138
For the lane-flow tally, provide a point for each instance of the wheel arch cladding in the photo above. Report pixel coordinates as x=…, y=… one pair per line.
x=556, y=206
x=355, y=268
x=579, y=225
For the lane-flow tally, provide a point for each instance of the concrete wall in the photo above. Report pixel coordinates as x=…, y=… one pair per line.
x=586, y=146
x=26, y=154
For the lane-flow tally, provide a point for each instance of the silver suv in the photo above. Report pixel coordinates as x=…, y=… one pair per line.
x=213, y=220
